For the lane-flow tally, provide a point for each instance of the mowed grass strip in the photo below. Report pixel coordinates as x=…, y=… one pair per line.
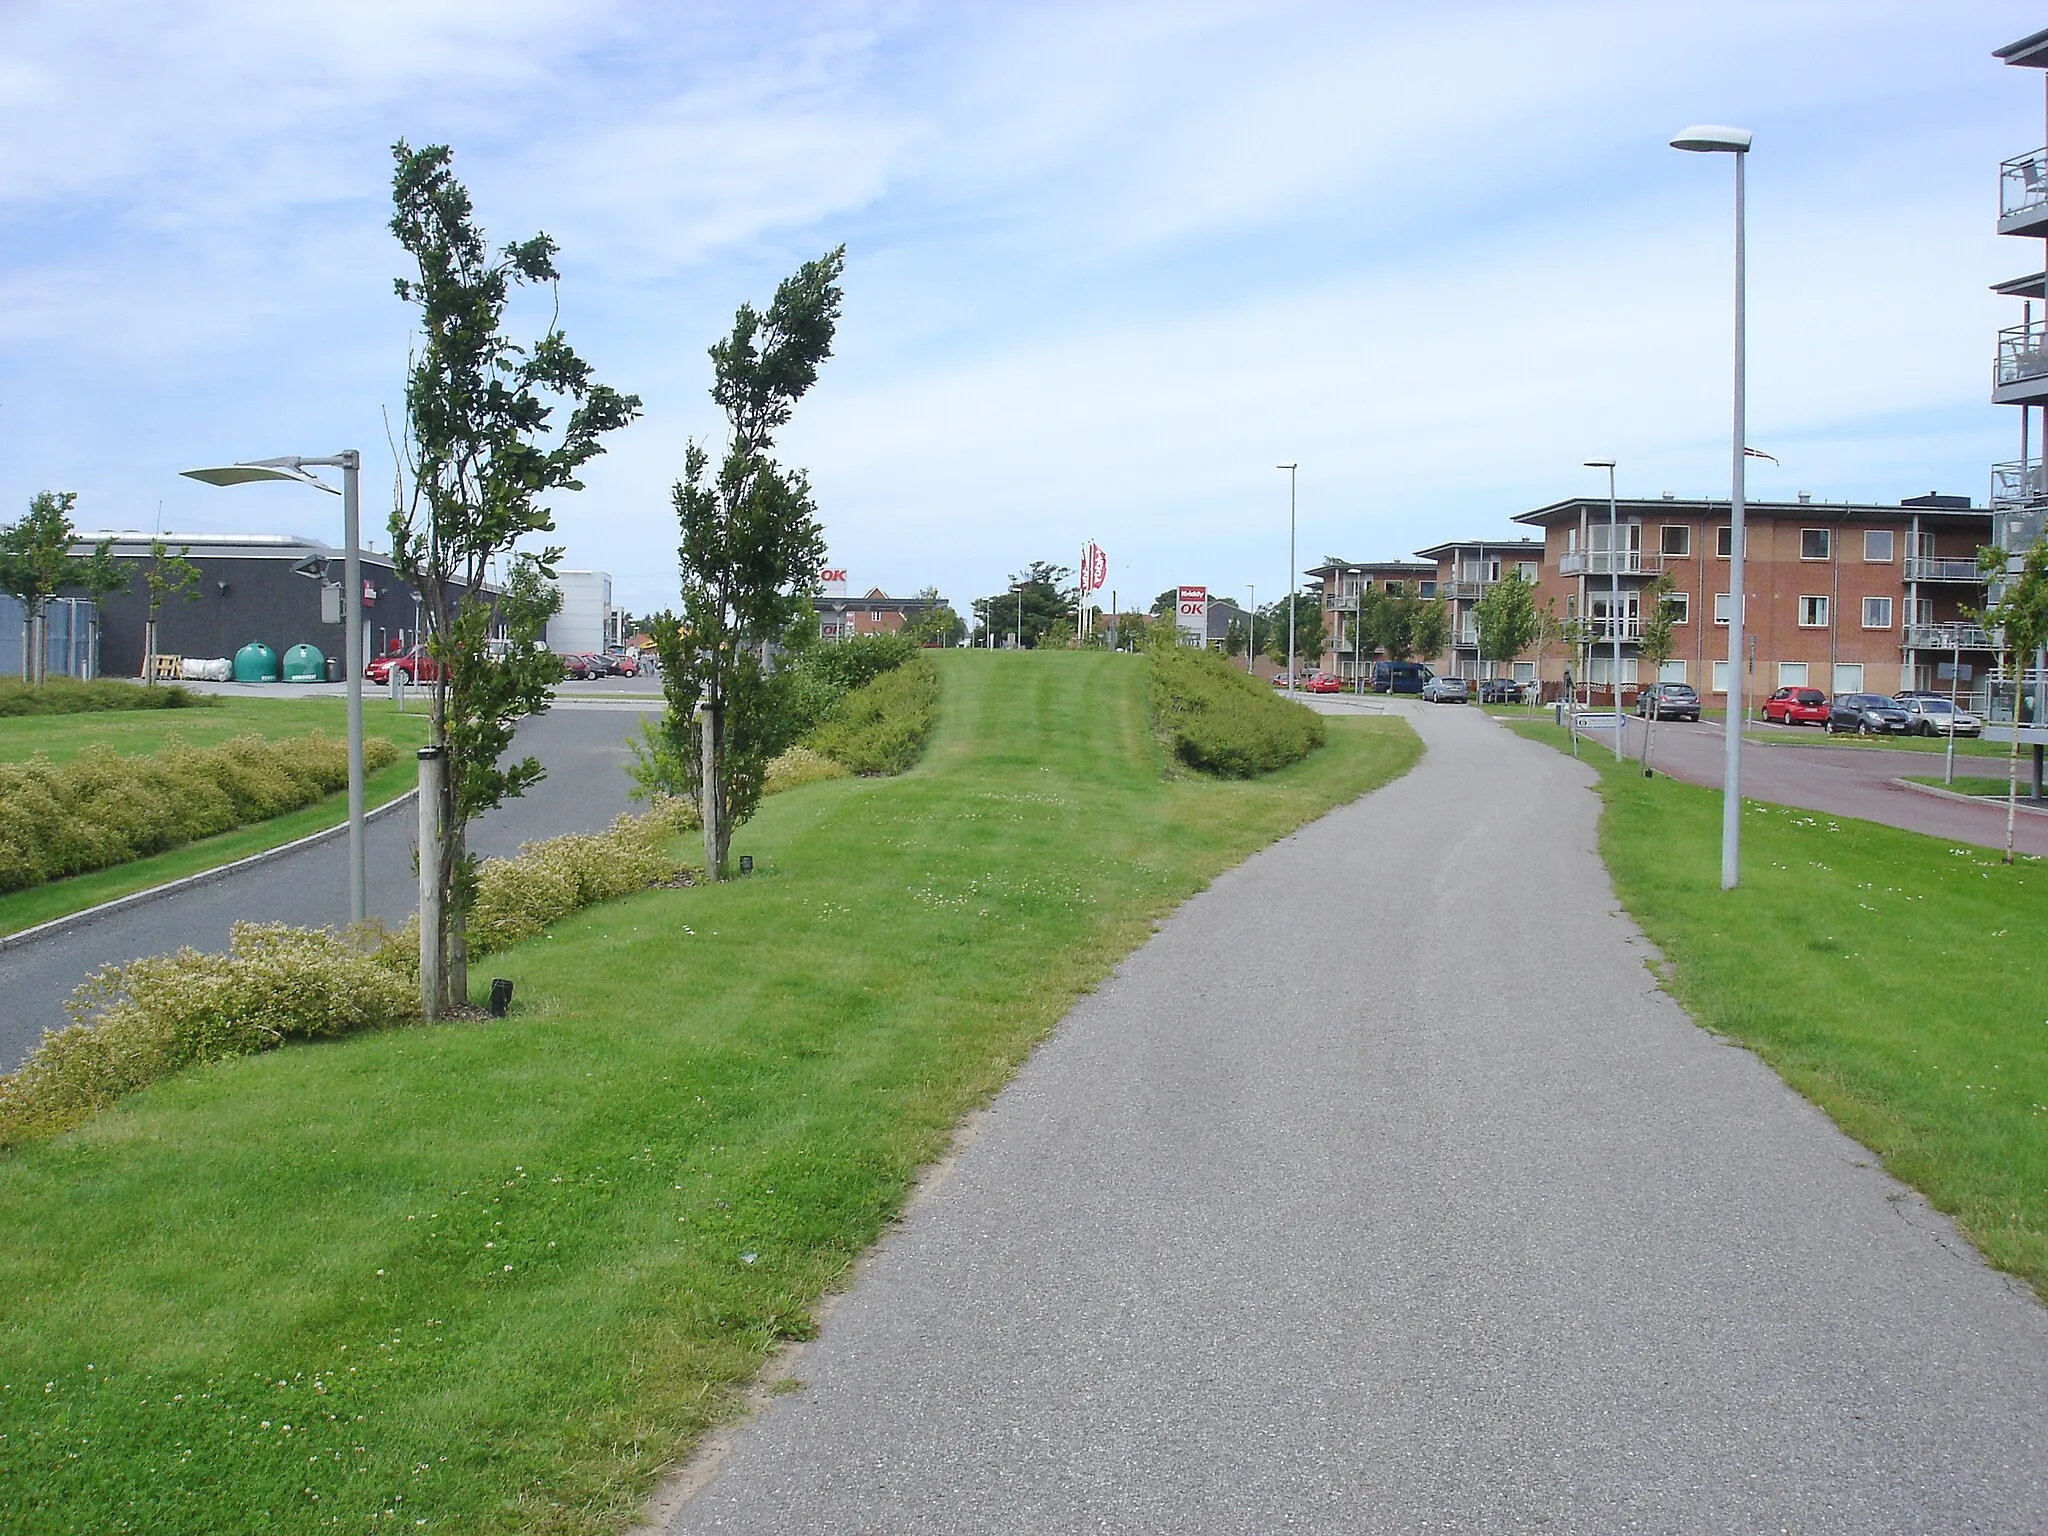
x=136, y=733
x=1893, y=979
x=492, y=1277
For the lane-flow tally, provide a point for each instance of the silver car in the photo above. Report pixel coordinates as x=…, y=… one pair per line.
x=1445, y=690
x=1938, y=717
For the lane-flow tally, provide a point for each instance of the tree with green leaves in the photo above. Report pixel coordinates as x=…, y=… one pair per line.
x=936, y=623
x=36, y=563
x=1429, y=627
x=751, y=549
x=1309, y=636
x=486, y=442
x=2018, y=615
x=1653, y=648
x=167, y=575
x=1506, y=618
x=1038, y=597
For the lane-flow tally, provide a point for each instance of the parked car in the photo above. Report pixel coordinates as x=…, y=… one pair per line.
x=1445, y=690
x=1324, y=682
x=1500, y=690
x=1931, y=715
x=1797, y=706
x=413, y=665
x=624, y=662
x=1866, y=712
x=579, y=666
x=1669, y=701
x=1400, y=676
x=1917, y=693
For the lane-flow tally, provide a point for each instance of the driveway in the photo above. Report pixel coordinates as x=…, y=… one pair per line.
x=583, y=745
x=1383, y=1191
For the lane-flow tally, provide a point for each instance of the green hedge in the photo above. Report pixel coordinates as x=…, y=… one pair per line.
x=100, y=809
x=1222, y=721
x=882, y=726
x=68, y=696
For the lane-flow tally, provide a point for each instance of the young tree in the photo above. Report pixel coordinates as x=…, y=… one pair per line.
x=36, y=563
x=1308, y=630
x=937, y=624
x=166, y=576
x=1429, y=627
x=2019, y=616
x=1653, y=649
x=1506, y=616
x=751, y=549
x=484, y=451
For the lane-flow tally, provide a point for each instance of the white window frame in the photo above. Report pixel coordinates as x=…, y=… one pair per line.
x=1664, y=541
x=1718, y=683
x=1724, y=540
x=1884, y=621
x=1681, y=612
x=1871, y=538
x=1671, y=672
x=1791, y=674
x=1826, y=538
x=1724, y=607
x=1848, y=677
x=1813, y=611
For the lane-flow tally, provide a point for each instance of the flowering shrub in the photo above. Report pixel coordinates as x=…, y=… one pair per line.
x=100, y=809
x=133, y=1024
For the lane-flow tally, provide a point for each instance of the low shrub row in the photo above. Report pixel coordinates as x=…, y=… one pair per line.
x=69, y=696
x=1219, y=720
x=882, y=726
x=100, y=809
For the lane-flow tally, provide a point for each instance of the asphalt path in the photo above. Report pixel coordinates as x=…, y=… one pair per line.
x=1383, y=1191
x=582, y=744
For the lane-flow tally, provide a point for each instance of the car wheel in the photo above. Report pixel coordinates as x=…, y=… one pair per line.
x=404, y=677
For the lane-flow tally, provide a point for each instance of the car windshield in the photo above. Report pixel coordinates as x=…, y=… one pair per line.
x=1934, y=706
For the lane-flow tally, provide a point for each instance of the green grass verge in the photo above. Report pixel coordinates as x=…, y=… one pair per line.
x=61, y=737
x=1891, y=978
x=1979, y=784
x=494, y=1276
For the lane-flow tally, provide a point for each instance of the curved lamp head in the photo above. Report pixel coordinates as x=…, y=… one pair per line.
x=1599, y=463
x=1713, y=139
x=244, y=474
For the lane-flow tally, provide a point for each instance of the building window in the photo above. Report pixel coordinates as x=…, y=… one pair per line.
x=1720, y=682
x=1723, y=608
x=874, y=615
x=1675, y=540
x=1791, y=674
x=1671, y=672
x=1877, y=613
x=1426, y=590
x=1815, y=543
x=1877, y=545
x=1724, y=540
x=1923, y=612
x=1527, y=570
x=1680, y=604
x=1813, y=613
x=1849, y=677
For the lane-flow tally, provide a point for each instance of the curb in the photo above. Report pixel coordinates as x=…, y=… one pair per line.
x=57, y=925
x=1996, y=802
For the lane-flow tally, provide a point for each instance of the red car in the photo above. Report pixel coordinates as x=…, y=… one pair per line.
x=415, y=665
x=1323, y=682
x=1797, y=706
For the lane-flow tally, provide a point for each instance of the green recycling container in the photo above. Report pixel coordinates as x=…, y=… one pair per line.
x=303, y=664
x=255, y=663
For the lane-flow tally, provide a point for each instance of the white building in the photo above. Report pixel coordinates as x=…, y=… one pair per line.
x=587, y=621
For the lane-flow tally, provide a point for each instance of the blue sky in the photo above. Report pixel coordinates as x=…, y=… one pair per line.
x=1107, y=264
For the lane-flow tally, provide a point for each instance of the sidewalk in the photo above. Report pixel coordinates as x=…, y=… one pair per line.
x=1382, y=1191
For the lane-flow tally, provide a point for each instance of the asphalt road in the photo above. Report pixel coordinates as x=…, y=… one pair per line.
x=582, y=744
x=1479, y=1234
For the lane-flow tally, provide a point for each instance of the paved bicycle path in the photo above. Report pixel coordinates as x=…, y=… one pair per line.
x=1382, y=1191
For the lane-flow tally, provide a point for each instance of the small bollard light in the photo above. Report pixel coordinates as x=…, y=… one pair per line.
x=746, y=863
x=501, y=996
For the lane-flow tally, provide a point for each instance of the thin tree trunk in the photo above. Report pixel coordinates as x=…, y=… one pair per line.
x=457, y=919
x=2012, y=770
x=710, y=803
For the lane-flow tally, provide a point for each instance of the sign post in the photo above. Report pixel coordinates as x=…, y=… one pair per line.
x=1094, y=572
x=1191, y=616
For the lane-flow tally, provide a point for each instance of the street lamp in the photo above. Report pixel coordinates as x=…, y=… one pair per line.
x=1251, y=620
x=1018, y=588
x=1614, y=597
x=1710, y=139
x=349, y=462
x=1290, y=468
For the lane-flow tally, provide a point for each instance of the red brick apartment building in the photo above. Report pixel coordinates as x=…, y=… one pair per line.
x=1342, y=581
x=1840, y=596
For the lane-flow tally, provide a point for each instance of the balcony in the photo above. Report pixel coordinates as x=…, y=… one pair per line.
x=1930, y=568
x=1949, y=637
x=2020, y=375
x=2018, y=483
x=1461, y=591
x=1466, y=637
x=1598, y=562
x=1607, y=631
x=2023, y=194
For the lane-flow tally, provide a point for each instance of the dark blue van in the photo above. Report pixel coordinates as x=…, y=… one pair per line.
x=1399, y=676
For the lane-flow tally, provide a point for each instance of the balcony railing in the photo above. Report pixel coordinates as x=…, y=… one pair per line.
x=1452, y=591
x=2022, y=353
x=1607, y=631
x=2023, y=184
x=1949, y=637
x=1598, y=562
x=1466, y=637
x=2018, y=484
x=1930, y=568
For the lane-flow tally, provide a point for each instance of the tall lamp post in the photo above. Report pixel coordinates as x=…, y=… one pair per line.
x=1251, y=634
x=1711, y=139
x=1290, y=468
x=1614, y=597
x=294, y=468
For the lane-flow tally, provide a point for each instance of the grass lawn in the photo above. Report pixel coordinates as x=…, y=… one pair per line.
x=1893, y=979
x=134, y=733
x=492, y=1277
x=1978, y=784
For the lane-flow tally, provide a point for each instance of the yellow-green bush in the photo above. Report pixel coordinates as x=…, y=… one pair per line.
x=100, y=809
x=133, y=1024
x=881, y=727
x=1223, y=721
x=796, y=768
